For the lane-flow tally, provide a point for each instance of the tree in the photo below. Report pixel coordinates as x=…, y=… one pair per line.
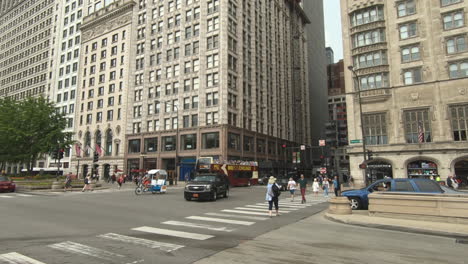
x=30, y=129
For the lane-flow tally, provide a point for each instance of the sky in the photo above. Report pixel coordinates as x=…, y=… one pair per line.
x=333, y=37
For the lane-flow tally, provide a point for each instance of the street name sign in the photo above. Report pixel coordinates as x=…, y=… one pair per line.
x=354, y=141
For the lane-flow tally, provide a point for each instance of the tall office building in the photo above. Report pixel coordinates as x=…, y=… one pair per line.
x=411, y=59
x=219, y=78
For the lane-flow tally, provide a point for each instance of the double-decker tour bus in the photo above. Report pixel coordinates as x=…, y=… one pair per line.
x=239, y=173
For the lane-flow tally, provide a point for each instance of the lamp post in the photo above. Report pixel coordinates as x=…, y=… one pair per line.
x=177, y=137
x=358, y=86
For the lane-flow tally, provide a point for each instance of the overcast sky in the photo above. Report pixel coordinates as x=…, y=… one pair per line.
x=333, y=27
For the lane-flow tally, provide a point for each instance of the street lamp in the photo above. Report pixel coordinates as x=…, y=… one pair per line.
x=177, y=136
x=356, y=80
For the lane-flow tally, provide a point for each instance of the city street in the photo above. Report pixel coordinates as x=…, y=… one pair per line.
x=112, y=226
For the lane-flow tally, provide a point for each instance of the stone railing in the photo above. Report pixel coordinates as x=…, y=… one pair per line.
x=449, y=208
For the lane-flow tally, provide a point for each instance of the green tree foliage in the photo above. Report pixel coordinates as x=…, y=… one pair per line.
x=29, y=129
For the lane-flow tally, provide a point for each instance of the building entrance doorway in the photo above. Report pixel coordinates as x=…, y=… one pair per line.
x=461, y=171
x=377, y=170
x=106, y=171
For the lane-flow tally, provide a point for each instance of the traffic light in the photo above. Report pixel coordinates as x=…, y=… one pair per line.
x=369, y=155
x=60, y=154
x=96, y=157
x=54, y=154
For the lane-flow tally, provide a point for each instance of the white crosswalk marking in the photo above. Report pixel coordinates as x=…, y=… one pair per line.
x=201, y=226
x=263, y=207
x=238, y=216
x=16, y=258
x=174, y=233
x=220, y=220
x=5, y=196
x=257, y=209
x=287, y=205
x=243, y=212
x=81, y=249
x=23, y=195
x=167, y=247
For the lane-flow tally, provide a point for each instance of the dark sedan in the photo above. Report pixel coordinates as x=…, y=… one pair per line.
x=6, y=184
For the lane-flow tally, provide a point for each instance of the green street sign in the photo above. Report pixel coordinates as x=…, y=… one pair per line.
x=354, y=141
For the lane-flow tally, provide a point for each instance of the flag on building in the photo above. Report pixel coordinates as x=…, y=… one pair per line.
x=98, y=150
x=420, y=133
x=78, y=150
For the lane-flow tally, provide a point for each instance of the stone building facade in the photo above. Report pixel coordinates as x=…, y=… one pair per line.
x=101, y=114
x=219, y=78
x=411, y=59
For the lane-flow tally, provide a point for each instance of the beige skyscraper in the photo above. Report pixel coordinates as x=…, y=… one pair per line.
x=411, y=59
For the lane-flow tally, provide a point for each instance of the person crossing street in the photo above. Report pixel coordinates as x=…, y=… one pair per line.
x=303, y=185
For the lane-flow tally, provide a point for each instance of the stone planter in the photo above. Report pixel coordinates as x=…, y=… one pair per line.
x=56, y=185
x=340, y=206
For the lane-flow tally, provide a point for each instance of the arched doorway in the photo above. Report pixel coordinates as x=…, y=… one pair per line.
x=423, y=169
x=461, y=170
x=106, y=171
x=377, y=170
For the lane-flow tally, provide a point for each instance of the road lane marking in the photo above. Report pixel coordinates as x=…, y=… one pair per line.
x=174, y=233
x=16, y=258
x=257, y=209
x=238, y=216
x=195, y=225
x=220, y=220
x=244, y=212
x=81, y=249
x=263, y=207
x=167, y=247
x=5, y=196
x=23, y=195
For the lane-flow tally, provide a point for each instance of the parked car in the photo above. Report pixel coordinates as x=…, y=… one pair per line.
x=207, y=186
x=359, y=198
x=6, y=184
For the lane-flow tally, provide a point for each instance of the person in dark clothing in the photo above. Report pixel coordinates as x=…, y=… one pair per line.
x=336, y=186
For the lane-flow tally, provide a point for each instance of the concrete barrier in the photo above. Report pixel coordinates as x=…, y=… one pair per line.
x=340, y=206
x=450, y=208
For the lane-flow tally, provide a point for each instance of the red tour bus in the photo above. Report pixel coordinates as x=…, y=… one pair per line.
x=240, y=173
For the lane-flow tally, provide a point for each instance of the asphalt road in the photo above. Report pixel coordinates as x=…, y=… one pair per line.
x=113, y=226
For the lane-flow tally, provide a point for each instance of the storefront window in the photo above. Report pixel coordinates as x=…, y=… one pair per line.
x=149, y=164
x=134, y=146
x=260, y=145
x=210, y=140
x=168, y=143
x=189, y=142
x=151, y=144
x=378, y=170
x=234, y=141
x=248, y=143
x=271, y=147
x=422, y=169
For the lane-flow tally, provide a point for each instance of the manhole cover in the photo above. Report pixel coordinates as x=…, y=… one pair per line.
x=462, y=241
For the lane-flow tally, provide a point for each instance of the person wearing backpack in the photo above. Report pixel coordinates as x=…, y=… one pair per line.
x=272, y=194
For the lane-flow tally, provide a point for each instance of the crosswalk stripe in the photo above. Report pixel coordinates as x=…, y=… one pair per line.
x=263, y=207
x=201, y=226
x=257, y=209
x=243, y=212
x=167, y=247
x=23, y=195
x=16, y=258
x=286, y=205
x=220, y=220
x=5, y=196
x=174, y=233
x=238, y=216
x=81, y=249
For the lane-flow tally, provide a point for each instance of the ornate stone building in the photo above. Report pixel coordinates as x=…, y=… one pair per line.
x=411, y=61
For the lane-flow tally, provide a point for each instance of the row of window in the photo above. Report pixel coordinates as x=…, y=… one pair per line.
x=99, y=116
x=212, y=118
x=169, y=143
x=417, y=126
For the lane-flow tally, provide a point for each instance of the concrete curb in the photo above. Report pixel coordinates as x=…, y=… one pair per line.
x=397, y=228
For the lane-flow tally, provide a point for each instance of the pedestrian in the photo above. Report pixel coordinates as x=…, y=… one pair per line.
x=336, y=186
x=438, y=178
x=87, y=183
x=292, y=188
x=303, y=185
x=325, y=186
x=315, y=187
x=272, y=194
x=120, y=181
x=68, y=181
x=187, y=177
x=113, y=178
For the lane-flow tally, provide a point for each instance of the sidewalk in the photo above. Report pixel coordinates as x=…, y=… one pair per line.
x=362, y=218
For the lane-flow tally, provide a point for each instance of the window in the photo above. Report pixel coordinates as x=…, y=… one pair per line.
x=453, y=20
x=210, y=140
x=213, y=24
x=186, y=103
x=186, y=121
x=403, y=186
x=248, y=143
x=212, y=99
x=151, y=145
x=368, y=15
x=213, y=6
x=456, y=44
x=458, y=118
x=370, y=59
x=261, y=145
x=234, y=141
x=212, y=42
x=373, y=81
x=458, y=69
x=168, y=143
x=375, y=129
x=189, y=142
x=195, y=102
x=406, y=8
x=449, y=2
x=428, y=186
x=412, y=76
x=212, y=61
x=212, y=79
x=408, y=30
x=410, y=53
x=417, y=123
x=134, y=146
x=136, y=127
x=368, y=38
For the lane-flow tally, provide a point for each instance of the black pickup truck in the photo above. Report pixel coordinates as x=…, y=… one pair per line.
x=207, y=186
